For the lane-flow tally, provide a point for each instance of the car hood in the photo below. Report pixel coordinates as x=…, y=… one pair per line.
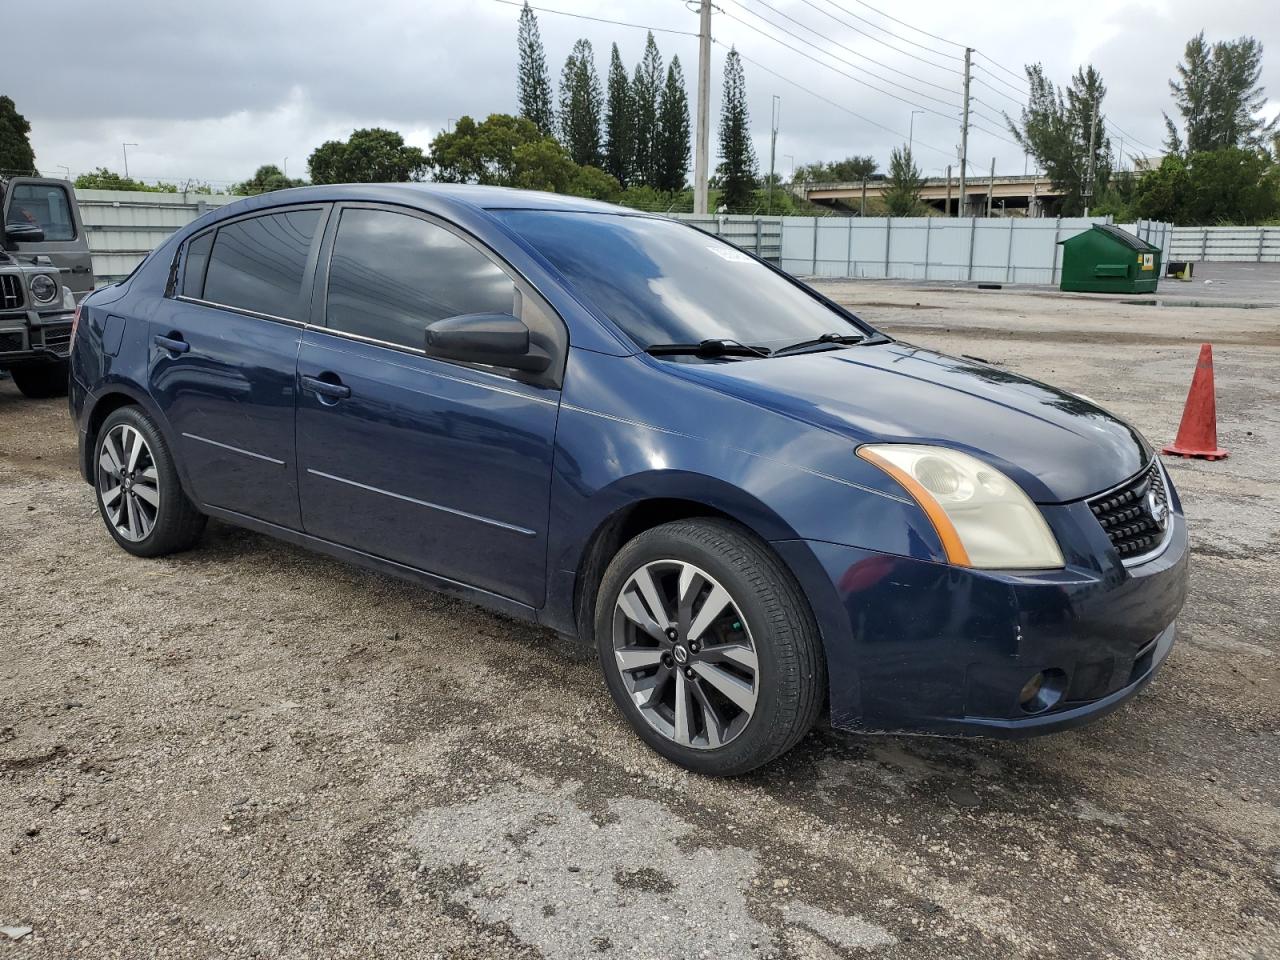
x=1057, y=445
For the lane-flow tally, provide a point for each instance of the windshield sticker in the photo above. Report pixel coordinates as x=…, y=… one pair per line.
x=728, y=253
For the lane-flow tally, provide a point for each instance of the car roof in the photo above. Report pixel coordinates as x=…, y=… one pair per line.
x=453, y=194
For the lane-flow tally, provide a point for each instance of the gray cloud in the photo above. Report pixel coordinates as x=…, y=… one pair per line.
x=211, y=96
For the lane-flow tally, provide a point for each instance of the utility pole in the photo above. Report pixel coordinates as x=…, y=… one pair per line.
x=862, y=212
x=964, y=126
x=948, y=206
x=911, y=130
x=124, y=149
x=704, y=109
x=1093, y=139
x=991, y=185
x=775, y=115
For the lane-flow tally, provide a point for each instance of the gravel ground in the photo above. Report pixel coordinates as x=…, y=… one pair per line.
x=248, y=750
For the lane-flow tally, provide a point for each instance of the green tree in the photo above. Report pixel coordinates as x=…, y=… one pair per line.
x=737, y=170
x=265, y=179
x=646, y=85
x=373, y=155
x=104, y=179
x=594, y=183
x=16, y=155
x=483, y=152
x=1218, y=95
x=533, y=80
x=674, y=139
x=850, y=170
x=902, y=198
x=1055, y=129
x=581, y=105
x=619, y=132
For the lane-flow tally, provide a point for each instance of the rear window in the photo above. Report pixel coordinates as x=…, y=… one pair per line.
x=194, y=264
x=259, y=264
x=45, y=206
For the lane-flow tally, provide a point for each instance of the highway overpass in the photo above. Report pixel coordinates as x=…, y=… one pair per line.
x=1020, y=195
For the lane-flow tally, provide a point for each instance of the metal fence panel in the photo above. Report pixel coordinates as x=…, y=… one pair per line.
x=1226, y=244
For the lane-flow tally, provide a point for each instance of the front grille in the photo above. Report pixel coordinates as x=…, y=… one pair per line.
x=58, y=339
x=12, y=341
x=1126, y=513
x=10, y=291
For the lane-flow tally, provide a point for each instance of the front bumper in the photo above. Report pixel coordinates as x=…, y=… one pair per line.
x=916, y=646
x=34, y=336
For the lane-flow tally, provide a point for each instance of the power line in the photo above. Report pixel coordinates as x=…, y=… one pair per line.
x=583, y=16
x=850, y=49
x=839, y=106
x=1022, y=91
x=885, y=42
x=904, y=23
x=828, y=66
x=1000, y=65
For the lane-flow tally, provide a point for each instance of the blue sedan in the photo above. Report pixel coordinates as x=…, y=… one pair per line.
x=751, y=502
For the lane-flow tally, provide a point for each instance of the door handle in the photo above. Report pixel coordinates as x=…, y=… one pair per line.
x=326, y=388
x=174, y=344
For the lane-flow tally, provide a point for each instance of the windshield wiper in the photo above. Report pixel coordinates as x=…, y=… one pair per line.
x=826, y=338
x=707, y=348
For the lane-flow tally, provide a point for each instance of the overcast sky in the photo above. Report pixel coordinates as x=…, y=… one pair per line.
x=211, y=95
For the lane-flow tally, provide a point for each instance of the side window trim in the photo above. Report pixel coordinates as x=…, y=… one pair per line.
x=66, y=199
x=525, y=291
x=309, y=271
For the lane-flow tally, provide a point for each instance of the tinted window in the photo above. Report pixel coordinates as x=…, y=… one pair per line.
x=193, y=265
x=258, y=264
x=45, y=206
x=393, y=274
x=665, y=282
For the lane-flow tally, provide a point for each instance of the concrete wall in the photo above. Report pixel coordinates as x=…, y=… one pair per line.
x=1226, y=244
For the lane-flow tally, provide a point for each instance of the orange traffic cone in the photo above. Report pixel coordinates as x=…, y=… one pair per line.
x=1198, y=431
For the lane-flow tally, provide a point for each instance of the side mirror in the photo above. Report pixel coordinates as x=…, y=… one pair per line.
x=20, y=232
x=493, y=339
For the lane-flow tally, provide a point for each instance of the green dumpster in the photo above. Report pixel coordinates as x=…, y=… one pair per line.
x=1106, y=259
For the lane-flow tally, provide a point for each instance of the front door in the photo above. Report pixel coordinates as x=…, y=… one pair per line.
x=441, y=467
x=50, y=206
x=224, y=356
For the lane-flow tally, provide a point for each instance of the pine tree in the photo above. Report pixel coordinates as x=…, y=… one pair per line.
x=645, y=89
x=903, y=196
x=674, y=138
x=1218, y=94
x=533, y=79
x=619, y=133
x=581, y=104
x=737, y=169
x=1054, y=128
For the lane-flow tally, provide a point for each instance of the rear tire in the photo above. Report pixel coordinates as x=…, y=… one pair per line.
x=137, y=489
x=701, y=611
x=39, y=381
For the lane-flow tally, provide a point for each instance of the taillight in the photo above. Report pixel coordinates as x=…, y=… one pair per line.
x=75, y=322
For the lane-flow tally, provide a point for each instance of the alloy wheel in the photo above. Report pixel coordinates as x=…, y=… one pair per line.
x=128, y=482
x=685, y=654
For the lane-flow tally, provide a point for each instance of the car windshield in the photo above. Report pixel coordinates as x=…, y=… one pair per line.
x=665, y=282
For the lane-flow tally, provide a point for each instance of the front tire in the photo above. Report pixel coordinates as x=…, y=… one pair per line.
x=708, y=646
x=136, y=485
x=39, y=381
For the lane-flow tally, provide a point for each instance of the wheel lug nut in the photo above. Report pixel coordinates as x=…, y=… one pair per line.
x=688, y=672
x=671, y=633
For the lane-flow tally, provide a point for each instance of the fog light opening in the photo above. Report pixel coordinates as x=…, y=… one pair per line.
x=1042, y=691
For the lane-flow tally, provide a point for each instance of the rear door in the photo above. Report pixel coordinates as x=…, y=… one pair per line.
x=224, y=354
x=51, y=205
x=440, y=466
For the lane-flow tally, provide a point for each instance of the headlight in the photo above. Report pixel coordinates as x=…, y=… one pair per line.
x=68, y=299
x=982, y=517
x=44, y=288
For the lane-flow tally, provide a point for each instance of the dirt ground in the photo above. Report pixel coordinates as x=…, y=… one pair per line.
x=251, y=751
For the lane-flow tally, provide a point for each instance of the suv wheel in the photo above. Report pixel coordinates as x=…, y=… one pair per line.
x=708, y=647
x=138, y=492
x=41, y=380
